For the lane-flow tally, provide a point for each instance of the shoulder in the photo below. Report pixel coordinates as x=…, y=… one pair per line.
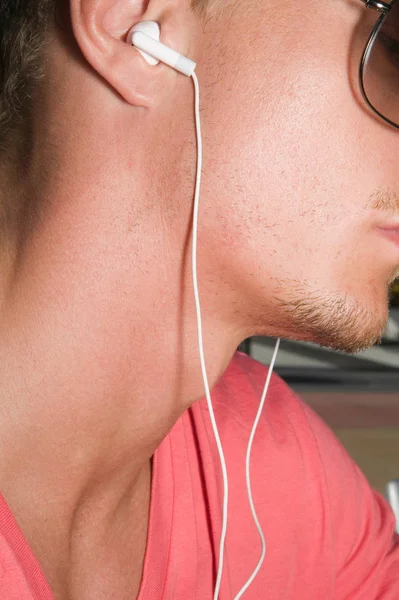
x=291, y=443
x=297, y=456
x=288, y=428
x=307, y=489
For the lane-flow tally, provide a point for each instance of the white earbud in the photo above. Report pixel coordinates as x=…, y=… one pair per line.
x=145, y=37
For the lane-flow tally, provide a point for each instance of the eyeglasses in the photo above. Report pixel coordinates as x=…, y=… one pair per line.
x=379, y=67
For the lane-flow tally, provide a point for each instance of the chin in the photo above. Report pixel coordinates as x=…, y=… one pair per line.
x=352, y=338
x=340, y=322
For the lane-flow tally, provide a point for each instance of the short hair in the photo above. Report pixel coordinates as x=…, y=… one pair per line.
x=23, y=25
x=23, y=32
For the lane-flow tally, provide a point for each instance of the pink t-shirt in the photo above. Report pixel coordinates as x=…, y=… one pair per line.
x=328, y=534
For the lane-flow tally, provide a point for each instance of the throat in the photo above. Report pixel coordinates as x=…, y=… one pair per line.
x=103, y=557
x=107, y=559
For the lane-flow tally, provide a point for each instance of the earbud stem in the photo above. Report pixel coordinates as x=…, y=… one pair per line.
x=163, y=53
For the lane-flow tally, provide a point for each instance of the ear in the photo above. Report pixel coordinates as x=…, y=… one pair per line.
x=101, y=30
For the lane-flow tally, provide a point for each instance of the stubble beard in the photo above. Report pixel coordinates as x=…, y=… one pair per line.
x=335, y=321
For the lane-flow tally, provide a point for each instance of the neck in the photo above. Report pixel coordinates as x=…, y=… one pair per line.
x=98, y=352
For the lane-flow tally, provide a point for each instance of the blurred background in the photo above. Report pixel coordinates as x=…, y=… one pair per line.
x=357, y=396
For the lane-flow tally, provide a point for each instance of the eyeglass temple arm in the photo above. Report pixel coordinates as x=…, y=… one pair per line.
x=377, y=5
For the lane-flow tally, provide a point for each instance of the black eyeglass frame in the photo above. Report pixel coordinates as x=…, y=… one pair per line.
x=384, y=8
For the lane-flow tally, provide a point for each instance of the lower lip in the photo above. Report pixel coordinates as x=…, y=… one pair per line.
x=391, y=234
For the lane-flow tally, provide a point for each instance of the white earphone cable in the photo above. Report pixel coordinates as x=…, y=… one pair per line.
x=205, y=377
x=199, y=323
x=248, y=477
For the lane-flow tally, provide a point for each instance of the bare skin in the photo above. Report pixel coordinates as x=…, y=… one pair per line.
x=98, y=346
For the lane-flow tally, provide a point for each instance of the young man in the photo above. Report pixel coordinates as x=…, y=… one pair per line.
x=109, y=472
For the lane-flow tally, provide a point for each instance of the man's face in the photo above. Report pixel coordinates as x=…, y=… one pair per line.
x=299, y=173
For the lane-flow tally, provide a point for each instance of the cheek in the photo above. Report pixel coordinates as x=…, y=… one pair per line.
x=293, y=170
x=285, y=177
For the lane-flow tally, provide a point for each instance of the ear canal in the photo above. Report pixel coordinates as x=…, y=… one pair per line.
x=152, y=29
x=145, y=38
